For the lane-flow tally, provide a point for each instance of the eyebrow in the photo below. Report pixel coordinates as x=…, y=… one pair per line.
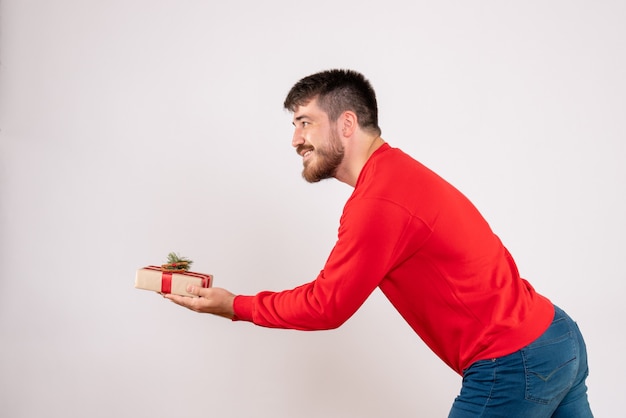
x=299, y=118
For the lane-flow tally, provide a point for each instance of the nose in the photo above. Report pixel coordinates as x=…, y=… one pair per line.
x=297, y=138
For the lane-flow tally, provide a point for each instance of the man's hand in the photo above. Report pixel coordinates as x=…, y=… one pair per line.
x=211, y=300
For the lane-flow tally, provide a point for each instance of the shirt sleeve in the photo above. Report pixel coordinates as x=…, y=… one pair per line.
x=373, y=236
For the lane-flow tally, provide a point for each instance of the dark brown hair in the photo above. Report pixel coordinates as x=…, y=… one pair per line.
x=337, y=91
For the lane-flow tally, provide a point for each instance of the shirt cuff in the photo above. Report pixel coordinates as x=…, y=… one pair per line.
x=242, y=305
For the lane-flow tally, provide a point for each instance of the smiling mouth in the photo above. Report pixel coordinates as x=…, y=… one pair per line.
x=305, y=152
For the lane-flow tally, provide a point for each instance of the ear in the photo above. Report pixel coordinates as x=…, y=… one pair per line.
x=348, y=123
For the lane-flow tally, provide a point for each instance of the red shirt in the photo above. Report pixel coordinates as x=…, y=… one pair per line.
x=423, y=243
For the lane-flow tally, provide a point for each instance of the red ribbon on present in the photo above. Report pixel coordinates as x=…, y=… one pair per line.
x=166, y=278
x=166, y=282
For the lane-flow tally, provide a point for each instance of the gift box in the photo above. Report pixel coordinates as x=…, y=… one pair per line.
x=174, y=282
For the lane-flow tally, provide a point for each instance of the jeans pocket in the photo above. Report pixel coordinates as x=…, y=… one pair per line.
x=551, y=363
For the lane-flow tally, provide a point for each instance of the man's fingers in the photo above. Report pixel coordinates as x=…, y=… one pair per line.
x=180, y=300
x=209, y=300
x=197, y=290
x=185, y=300
x=195, y=304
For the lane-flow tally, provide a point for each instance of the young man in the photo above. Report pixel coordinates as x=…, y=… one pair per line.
x=408, y=232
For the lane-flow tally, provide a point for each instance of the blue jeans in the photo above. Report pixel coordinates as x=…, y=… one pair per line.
x=543, y=379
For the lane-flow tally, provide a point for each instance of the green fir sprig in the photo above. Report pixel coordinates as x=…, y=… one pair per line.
x=176, y=262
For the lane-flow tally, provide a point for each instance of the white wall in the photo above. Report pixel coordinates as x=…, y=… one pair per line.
x=132, y=128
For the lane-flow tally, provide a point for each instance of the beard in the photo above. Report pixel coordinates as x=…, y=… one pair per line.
x=325, y=162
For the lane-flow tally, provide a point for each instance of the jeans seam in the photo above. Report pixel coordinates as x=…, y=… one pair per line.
x=494, y=380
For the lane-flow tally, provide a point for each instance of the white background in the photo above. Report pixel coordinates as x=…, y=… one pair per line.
x=132, y=128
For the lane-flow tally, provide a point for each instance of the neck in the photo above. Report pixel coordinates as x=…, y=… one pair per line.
x=376, y=143
x=355, y=159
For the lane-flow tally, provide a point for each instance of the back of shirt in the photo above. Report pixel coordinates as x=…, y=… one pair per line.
x=450, y=276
